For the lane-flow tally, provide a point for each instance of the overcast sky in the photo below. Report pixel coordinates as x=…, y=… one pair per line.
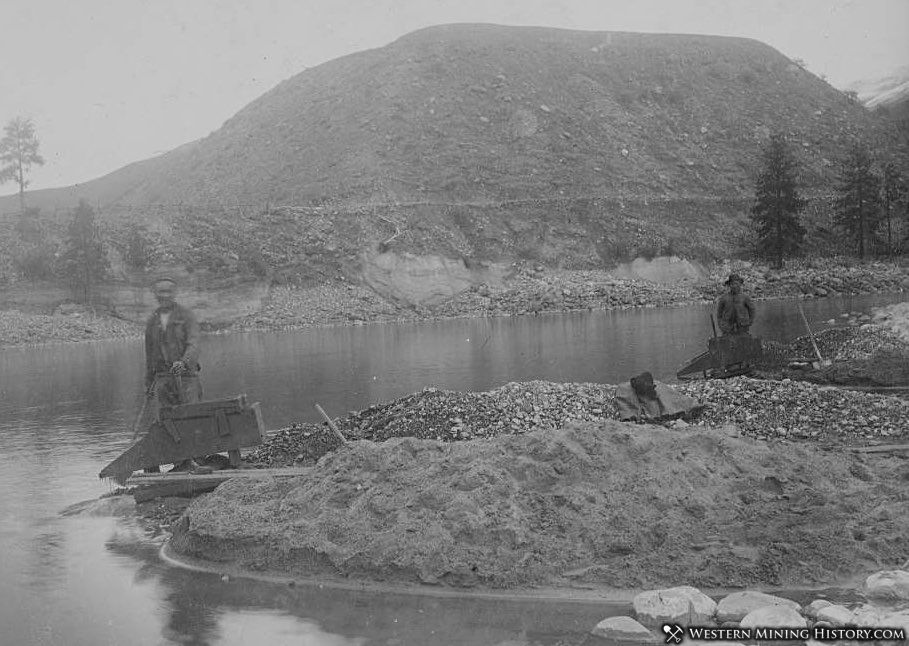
x=109, y=82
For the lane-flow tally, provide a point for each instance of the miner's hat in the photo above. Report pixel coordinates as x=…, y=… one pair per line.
x=166, y=278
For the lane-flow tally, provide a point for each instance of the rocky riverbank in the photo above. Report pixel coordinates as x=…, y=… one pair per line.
x=18, y=328
x=533, y=289
x=528, y=289
x=881, y=605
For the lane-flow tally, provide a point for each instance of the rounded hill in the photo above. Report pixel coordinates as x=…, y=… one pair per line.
x=485, y=112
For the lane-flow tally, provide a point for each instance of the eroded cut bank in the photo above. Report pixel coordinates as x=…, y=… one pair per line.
x=602, y=504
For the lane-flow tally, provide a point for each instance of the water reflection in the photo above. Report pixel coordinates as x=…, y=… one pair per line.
x=201, y=608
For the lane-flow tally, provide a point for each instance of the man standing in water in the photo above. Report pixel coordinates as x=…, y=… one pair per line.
x=734, y=310
x=172, y=353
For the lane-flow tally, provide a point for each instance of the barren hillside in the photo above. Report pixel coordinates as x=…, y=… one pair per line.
x=498, y=142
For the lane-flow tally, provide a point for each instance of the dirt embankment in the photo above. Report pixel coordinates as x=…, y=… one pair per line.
x=603, y=504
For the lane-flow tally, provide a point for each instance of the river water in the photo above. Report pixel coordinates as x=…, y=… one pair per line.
x=66, y=410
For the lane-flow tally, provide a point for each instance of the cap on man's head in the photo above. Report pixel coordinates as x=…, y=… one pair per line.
x=734, y=278
x=164, y=279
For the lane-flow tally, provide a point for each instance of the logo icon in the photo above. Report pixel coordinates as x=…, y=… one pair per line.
x=674, y=633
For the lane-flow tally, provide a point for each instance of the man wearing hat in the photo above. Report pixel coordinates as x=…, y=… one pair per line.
x=172, y=352
x=734, y=310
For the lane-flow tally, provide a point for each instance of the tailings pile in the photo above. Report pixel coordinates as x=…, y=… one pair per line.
x=594, y=504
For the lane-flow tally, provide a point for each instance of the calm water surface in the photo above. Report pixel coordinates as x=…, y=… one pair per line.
x=67, y=410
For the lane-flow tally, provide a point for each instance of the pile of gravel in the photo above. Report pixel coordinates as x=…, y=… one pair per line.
x=790, y=409
x=785, y=409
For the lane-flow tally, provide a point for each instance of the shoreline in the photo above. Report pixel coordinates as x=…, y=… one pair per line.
x=531, y=291
x=617, y=597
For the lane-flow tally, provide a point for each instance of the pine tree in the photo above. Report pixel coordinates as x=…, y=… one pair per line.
x=857, y=205
x=84, y=261
x=777, y=203
x=18, y=153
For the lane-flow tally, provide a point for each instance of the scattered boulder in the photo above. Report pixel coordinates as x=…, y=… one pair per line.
x=896, y=620
x=888, y=585
x=867, y=615
x=654, y=609
x=623, y=629
x=775, y=616
x=738, y=604
x=812, y=608
x=684, y=605
x=836, y=615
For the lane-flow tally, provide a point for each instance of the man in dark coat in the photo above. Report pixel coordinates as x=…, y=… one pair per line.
x=734, y=310
x=172, y=352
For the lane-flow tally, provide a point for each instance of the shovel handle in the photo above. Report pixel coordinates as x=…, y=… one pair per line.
x=150, y=393
x=811, y=335
x=331, y=425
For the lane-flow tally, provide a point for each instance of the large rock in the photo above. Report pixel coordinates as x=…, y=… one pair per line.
x=776, y=616
x=812, y=608
x=623, y=629
x=652, y=609
x=896, y=620
x=662, y=269
x=836, y=615
x=867, y=615
x=683, y=605
x=890, y=585
x=738, y=604
x=424, y=280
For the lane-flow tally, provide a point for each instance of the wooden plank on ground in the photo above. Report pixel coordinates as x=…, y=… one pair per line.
x=176, y=488
x=141, y=479
x=148, y=486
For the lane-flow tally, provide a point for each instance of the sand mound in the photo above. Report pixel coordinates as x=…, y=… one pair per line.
x=607, y=504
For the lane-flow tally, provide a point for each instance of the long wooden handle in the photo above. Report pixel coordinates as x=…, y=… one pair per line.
x=150, y=393
x=331, y=425
x=140, y=417
x=810, y=334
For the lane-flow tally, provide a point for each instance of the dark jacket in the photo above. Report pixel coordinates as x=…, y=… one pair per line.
x=734, y=313
x=178, y=342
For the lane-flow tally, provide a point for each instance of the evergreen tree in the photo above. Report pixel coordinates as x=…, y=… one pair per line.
x=18, y=153
x=139, y=248
x=35, y=248
x=777, y=203
x=893, y=191
x=858, y=200
x=84, y=260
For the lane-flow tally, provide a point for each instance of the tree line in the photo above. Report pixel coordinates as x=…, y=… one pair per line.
x=871, y=211
x=870, y=206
